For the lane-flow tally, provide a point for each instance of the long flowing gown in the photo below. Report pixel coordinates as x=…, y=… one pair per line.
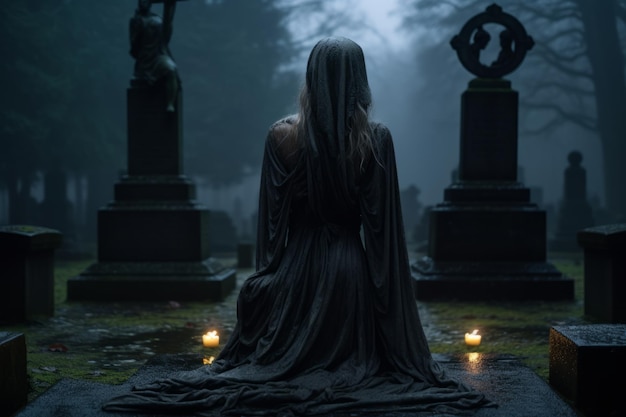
x=329, y=322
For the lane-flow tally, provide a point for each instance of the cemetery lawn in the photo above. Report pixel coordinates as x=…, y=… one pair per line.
x=108, y=342
x=513, y=328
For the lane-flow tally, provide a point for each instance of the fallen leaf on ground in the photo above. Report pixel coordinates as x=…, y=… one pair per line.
x=57, y=347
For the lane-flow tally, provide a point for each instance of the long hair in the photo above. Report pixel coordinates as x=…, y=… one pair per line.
x=359, y=141
x=333, y=126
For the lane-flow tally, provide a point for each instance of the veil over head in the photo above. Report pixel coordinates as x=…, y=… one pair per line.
x=336, y=82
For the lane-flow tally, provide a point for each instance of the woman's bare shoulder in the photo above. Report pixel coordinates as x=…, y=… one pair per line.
x=283, y=137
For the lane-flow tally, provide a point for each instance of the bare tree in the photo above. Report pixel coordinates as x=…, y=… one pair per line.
x=578, y=70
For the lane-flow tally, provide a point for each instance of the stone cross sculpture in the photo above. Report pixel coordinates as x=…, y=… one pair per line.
x=487, y=240
x=514, y=43
x=150, y=35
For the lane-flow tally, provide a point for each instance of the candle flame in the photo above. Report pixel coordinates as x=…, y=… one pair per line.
x=475, y=331
x=212, y=333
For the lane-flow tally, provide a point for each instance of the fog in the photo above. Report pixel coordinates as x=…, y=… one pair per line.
x=426, y=128
x=416, y=83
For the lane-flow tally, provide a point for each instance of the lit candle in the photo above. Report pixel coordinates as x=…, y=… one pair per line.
x=472, y=339
x=211, y=339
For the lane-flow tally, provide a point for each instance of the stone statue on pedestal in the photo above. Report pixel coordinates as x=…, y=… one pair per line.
x=150, y=35
x=153, y=239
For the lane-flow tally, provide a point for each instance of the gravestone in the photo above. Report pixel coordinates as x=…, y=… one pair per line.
x=487, y=240
x=153, y=239
x=575, y=211
x=27, y=272
x=586, y=366
x=411, y=212
x=13, y=379
x=605, y=272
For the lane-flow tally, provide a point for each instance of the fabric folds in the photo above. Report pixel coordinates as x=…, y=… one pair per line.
x=328, y=323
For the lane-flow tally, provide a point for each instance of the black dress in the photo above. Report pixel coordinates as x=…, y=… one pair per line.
x=329, y=322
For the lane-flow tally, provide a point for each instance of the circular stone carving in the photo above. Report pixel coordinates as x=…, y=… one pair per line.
x=514, y=42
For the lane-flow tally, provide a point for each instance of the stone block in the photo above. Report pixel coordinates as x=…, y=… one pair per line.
x=13, y=381
x=587, y=364
x=154, y=135
x=27, y=265
x=489, y=281
x=154, y=188
x=153, y=232
x=488, y=131
x=605, y=272
x=153, y=281
x=487, y=233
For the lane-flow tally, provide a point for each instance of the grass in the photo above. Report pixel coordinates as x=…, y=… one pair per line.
x=515, y=328
x=108, y=342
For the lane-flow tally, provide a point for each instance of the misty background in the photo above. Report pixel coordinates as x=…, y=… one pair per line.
x=66, y=68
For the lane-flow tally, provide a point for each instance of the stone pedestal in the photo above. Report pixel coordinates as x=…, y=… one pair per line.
x=587, y=364
x=153, y=238
x=605, y=272
x=487, y=240
x=27, y=272
x=13, y=380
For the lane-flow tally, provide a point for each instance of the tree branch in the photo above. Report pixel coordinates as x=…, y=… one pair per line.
x=579, y=119
x=563, y=34
x=534, y=88
x=564, y=11
x=559, y=62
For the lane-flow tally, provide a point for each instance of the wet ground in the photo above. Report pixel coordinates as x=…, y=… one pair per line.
x=95, y=348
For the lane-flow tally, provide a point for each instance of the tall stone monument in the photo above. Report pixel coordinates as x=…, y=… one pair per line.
x=487, y=240
x=153, y=238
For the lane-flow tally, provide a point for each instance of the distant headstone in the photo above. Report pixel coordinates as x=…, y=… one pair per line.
x=27, y=271
x=13, y=379
x=605, y=272
x=422, y=230
x=411, y=211
x=575, y=212
x=487, y=240
x=587, y=364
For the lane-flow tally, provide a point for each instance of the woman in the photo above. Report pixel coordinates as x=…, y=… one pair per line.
x=328, y=323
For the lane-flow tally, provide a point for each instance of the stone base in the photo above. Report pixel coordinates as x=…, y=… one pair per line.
x=13, y=382
x=587, y=364
x=153, y=281
x=487, y=232
x=153, y=232
x=485, y=281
